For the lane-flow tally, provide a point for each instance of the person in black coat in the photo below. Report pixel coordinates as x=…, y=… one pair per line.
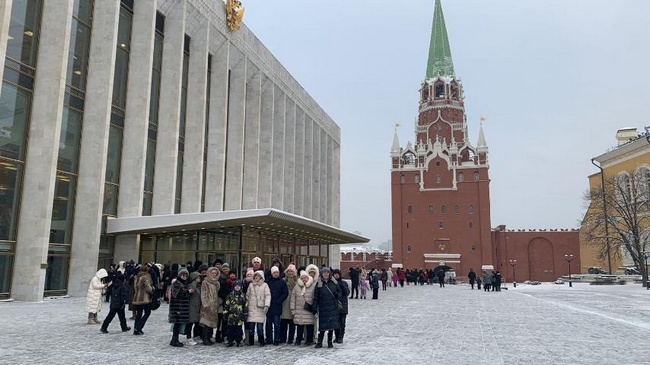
x=326, y=294
x=472, y=278
x=343, y=313
x=441, y=278
x=119, y=298
x=384, y=278
x=374, y=283
x=279, y=292
x=179, y=305
x=354, y=278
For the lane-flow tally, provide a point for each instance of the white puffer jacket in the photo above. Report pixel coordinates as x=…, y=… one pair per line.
x=258, y=296
x=300, y=294
x=94, y=295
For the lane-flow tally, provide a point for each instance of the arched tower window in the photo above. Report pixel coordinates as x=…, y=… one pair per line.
x=425, y=92
x=417, y=179
x=476, y=176
x=438, y=179
x=461, y=177
x=410, y=209
x=623, y=187
x=443, y=209
x=456, y=209
x=455, y=91
x=643, y=180
x=430, y=208
x=402, y=179
x=471, y=209
x=440, y=90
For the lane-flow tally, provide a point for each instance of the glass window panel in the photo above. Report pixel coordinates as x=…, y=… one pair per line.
x=6, y=270
x=78, y=55
x=120, y=77
x=110, y=199
x=83, y=10
x=69, y=140
x=106, y=245
x=324, y=251
x=15, y=105
x=56, y=275
x=22, y=43
x=10, y=185
x=154, y=97
x=114, y=154
x=147, y=243
x=64, y=192
x=124, y=30
x=147, y=203
x=148, y=256
x=314, y=250
x=149, y=165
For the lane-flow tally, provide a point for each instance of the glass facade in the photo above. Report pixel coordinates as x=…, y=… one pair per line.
x=15, y=108
x=236, y=246
x=206, y=132
x=181, y=126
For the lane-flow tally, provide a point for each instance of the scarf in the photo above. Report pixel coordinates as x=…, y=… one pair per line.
x=210, y=289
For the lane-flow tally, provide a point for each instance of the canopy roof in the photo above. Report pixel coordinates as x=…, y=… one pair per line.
x=265, y=220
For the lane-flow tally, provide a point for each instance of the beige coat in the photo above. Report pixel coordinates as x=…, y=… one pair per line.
x=94, y=295
x=209, y=300
x=286, y=305
x=299, y=295
x=258, y=296
x=143, y=289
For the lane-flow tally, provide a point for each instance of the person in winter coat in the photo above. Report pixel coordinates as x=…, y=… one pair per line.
x=286, y=318
x=119, y=298
x=279, y=292
x=94, y=296
x=487, y=281
x=441, y=278
x=259, y=301
x=209, y=303
x=142, y=292
x=234, y=311
x=395, y=279
x=384, y=278
x=496, y=280
x=326, y=294
x=179, y=305
x=313, y=271
x=354, y=278
x=108, y=279
x=472, y=277
x=343, y=313
x=224, y=289
x=301, y=300
x=401, y=274
x=374, y=284
x=195, y=309
x=363, y=287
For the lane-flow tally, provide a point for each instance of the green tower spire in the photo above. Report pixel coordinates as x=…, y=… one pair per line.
x=440, y=62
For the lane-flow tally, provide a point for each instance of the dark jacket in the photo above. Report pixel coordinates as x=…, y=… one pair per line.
x=279, y=292
x=383, y=276
x=345, y=291
x=119, y=293
x=354, y=275
x=374, y=281
x=472, y=277
x=325, y=296
x=179, y=305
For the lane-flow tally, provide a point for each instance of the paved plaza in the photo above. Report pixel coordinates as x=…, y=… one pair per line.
x=545, y=324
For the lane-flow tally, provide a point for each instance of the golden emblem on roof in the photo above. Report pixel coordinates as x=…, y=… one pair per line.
x=234, y=14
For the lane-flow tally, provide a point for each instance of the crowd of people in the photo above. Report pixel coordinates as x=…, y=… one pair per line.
x=210, y=304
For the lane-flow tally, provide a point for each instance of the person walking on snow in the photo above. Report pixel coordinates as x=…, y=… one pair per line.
x=94, y=296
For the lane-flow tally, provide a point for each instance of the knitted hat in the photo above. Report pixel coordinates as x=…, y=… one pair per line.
x=250, y=272
x=291, y=267
x=183, y=271
x=237, y=283
x=260, y=273
x=225, y=265
x=323, y=270
x=274, y=269
x=257, y=260
x=336, y=271
x=194, y=275
x=303, y=273
x=203, y=267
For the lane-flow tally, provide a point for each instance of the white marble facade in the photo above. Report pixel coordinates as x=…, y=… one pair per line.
x=270, y=145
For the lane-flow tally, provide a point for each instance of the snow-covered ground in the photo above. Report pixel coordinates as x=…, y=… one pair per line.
x=545, y=324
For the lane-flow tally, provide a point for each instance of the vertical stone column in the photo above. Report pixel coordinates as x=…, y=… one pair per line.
x=299, y=159
x=289, y=154
x=164, y=195
x=336, y=184
x=315, y=171
x=329, y=217
x=35, y=215
x=266, y=145
x=136, y=121
x=252, y=137
x=195, y=121
x=323, y=177
x=235, y=135
x=218, y=122
x=89, y=202
x=5, y=19
x=307, y=173
x=277, y=185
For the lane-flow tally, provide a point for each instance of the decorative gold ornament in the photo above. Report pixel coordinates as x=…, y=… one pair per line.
x=234, y=14
x=442, y=247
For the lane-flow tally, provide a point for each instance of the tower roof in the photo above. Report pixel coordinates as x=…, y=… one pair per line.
x=440, y=62
x=481, y=137
x=395, y=148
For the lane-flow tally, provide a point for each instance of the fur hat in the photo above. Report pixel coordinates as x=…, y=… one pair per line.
x=257, y=260
x=203, y=267
x=304, y=273
x=274, y=269
x=313, y=268
x=291, y=267
x=260, y=273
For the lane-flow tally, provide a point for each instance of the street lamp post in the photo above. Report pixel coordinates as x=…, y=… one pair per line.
x=568, y=259
x=513, y=263
x=645, y=256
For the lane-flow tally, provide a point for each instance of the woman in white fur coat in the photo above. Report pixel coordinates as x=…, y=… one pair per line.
x=304, y=319
x=259, y=301
x=94, y=296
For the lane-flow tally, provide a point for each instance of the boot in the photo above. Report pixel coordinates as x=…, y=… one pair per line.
x=205, y=338
x=90, y=321
x=175, y=342
x=329, y=340
x=218, y=338
x=260, y=339
x=95, y=319
x=299, y=334
x=251, y=338
x=319, y=343
x=103, y=330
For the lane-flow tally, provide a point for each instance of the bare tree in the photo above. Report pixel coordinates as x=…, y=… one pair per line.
x=617, y=221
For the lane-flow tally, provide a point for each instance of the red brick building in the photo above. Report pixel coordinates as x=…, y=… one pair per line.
x=440, y=189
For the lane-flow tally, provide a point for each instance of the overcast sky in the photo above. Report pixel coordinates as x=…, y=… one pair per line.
x=555, y=79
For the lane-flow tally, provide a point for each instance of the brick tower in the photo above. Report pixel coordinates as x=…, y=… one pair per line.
x=440, y=183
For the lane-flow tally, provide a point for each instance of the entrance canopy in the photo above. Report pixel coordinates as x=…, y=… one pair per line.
x=264, y=220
